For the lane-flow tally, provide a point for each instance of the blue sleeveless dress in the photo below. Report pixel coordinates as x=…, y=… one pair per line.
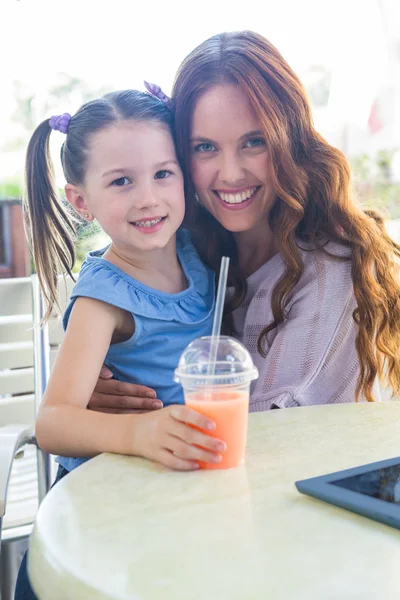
x=164, y=323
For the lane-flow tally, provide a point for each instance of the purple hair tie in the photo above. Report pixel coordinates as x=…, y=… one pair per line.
x=156, y=91
x=60, y=122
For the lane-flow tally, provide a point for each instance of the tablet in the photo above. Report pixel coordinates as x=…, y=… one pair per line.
x=371, y=490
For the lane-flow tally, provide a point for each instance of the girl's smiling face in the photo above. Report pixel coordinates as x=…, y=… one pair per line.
x=133, y=185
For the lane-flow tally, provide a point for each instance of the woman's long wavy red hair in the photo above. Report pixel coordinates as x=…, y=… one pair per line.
x=314, y=200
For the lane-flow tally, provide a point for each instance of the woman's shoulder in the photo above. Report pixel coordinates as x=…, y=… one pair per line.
x=327, y=249
x=331, y=257
x=327, y=274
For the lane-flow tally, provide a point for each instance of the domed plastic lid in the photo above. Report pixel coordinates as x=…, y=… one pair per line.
x=233, y=365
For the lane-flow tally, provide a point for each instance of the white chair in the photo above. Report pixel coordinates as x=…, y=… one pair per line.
x=25, y=356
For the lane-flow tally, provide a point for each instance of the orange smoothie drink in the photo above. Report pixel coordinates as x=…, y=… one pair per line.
x=229, y=410
x=216, y=375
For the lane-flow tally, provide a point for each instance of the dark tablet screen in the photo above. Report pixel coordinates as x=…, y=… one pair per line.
x=383, y=484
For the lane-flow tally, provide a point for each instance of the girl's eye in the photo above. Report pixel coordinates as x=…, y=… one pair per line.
x=255, y=143
x=121, y=181
x=162, y=174
x=205, y=147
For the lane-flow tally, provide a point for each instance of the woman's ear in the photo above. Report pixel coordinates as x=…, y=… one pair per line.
x=74, y=195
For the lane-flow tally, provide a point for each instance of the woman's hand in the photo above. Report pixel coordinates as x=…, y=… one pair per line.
x=171, y=437
x=113, y=396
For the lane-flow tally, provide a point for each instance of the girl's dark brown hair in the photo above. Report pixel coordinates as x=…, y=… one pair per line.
x=51, y=226
x=314, y=202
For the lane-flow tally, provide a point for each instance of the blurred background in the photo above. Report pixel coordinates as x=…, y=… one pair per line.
x=56, y=54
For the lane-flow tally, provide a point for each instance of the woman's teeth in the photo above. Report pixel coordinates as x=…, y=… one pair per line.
x=147, y=223
x=237, y=198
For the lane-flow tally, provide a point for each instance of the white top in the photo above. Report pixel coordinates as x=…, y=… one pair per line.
x=128, y=529
x=312, y=357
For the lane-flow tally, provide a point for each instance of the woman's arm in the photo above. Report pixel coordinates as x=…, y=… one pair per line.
x=65, y=427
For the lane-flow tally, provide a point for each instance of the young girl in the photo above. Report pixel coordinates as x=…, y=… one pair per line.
x=137, y=303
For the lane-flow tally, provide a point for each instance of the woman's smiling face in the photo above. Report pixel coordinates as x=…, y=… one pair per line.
x=230, y=159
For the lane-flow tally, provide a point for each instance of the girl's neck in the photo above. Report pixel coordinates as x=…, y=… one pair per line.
x=159, y=269
x=255, y=247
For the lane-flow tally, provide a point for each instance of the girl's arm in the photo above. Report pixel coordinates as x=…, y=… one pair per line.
x=65, y=427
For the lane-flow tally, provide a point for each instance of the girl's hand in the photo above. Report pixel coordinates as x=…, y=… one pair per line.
x=171, y=437
x=113, y=396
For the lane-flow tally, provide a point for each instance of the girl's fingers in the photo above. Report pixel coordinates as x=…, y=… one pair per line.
x=194, y=437
x=189, y=452
x=170, y=460
x=191, y=417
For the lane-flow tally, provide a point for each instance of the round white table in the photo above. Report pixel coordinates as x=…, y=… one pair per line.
x=124, y=528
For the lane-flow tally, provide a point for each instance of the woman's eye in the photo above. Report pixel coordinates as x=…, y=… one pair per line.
x=121, y=181
x=255, y=143
x=162, y=174
x=205, y=147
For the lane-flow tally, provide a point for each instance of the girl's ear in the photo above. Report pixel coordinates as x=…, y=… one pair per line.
x=74, y=195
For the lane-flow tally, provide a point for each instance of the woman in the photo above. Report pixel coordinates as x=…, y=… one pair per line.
x=315, y=289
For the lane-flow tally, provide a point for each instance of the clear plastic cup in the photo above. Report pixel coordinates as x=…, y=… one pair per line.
x=222, y=393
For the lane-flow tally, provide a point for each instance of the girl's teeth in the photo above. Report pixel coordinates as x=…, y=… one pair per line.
x=147, y=223
x=237, y=198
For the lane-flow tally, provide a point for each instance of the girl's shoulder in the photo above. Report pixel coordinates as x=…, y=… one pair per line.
x=102, y=280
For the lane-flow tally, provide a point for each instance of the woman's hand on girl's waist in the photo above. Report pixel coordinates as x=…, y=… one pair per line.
x=113, y=396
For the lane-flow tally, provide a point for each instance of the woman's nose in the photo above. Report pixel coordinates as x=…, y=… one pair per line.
x=231, y=171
